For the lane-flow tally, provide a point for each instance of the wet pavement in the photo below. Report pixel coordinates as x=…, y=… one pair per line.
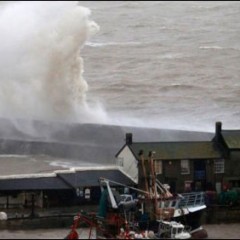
x=215, y=231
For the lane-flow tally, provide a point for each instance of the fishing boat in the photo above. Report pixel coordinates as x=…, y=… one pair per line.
x=166, y=230
x=148, y=210
x=147, y=215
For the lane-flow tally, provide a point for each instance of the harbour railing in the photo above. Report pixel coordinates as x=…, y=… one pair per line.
x=192, y=199
x=185, y=200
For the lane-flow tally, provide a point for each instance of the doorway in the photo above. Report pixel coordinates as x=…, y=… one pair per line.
x=199, y=175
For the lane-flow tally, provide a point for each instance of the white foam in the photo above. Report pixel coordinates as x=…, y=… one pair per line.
x=23, y=176
x=211, y=47
x=41, y=70
x=98, y=44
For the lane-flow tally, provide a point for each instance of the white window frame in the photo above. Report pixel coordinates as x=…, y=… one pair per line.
x=158, y=166
x=219, y=166
x=185, y=166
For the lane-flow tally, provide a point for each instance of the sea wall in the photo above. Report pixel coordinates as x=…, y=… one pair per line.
x=61, y=218
x=221, y=214
x=87, y=143
x=37, y=223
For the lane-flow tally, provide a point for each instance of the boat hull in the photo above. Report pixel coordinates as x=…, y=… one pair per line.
x=193, y=220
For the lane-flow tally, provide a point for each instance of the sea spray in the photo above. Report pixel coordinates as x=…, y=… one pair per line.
x=41, y=69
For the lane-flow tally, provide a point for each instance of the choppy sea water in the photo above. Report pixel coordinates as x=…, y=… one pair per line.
x=166, y=64
x=142, y=63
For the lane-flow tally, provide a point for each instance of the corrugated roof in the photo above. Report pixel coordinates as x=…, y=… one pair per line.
x=22, y=184
x=64, y=180
x=91, y=177
x=177, y=150
x=231, y=138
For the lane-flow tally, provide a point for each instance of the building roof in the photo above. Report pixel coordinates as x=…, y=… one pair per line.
x=177, y=150
x=32, y=184
x=69, y=179
x=231, y=139
x=91, y=177
x=39, y=167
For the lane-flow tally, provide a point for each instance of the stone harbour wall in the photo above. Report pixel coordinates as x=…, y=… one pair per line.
x=221, y=214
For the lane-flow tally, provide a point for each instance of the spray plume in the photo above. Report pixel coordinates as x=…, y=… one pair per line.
x=41, y=70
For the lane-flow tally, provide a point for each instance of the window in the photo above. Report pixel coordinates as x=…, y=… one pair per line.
x=158, y=166
x=219, y=165
x=185, y=169
x=87, y=193
x=188, y=186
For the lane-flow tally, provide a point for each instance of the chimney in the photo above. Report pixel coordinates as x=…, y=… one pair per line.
x=128, y=138
x=218, y=130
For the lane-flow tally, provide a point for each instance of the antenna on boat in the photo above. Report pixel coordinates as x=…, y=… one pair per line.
x=102, y=179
